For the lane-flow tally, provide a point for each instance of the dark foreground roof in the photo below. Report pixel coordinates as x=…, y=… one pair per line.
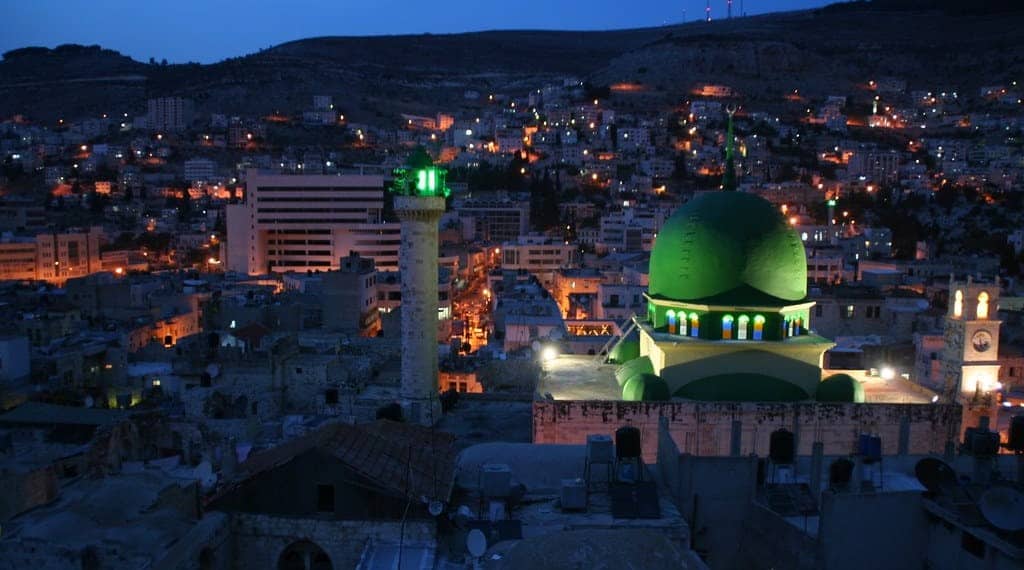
x=403, y=459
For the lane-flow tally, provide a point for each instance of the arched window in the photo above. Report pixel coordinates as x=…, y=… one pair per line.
x=792, y=327
x=958, y=303
x=304, y=555
x=694, y=325
x=982, y=312
x=758, y=327
x=670, y=318
x=741, y=329
x=727, y=327
x=798, y=329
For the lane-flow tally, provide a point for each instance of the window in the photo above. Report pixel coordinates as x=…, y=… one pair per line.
x=982, y=312
x=670, y=318
x=849, y=312
x=727, y=327
x=331, y=396
x=741, y=330
x=325, y=498
x=758, y=327
x=298, y=370
x=958, y=303
x=694, y=325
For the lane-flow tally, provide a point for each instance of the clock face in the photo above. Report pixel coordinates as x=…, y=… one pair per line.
x=981, y=341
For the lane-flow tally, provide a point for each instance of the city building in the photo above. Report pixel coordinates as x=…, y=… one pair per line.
x=62, y=256
x=350, y=297
x=309, y=222
x=500, y=219
x=172, y=114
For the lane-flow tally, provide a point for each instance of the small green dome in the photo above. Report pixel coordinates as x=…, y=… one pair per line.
x=626, y=349
x=632, y=369
x=840, y=388
x=741, y=387
x=646, y=388
x=721, y=242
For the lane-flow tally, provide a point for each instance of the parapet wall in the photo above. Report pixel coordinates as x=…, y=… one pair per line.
x=721, y=429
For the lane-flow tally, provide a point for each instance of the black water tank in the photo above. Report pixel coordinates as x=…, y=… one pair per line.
x=627, y=442
x=780, y=447
x=840, y=472
x=1016, y=439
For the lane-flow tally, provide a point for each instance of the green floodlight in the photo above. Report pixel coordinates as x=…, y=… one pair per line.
x=419, y=177
x=832, y=202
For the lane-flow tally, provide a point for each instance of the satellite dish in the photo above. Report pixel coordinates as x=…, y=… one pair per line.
x=89, y=402
x=535, y=345
x=435, y=508
x=935, y=475
x=476, y=543
x=1003, y=508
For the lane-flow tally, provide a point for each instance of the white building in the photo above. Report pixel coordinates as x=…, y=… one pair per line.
x=309, y=222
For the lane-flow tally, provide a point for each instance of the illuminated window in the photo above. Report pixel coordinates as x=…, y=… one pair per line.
x=982, y=305
x=694, y=324
x=727, y=327
x=758, y=327
x=798, y=326
x=670, y=317
x=741, y=330
x=958, y=303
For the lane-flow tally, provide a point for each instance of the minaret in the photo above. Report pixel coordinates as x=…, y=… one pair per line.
x=419, y=203
x=729, y=176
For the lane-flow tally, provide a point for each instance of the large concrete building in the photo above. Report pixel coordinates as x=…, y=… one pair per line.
x=309, y=222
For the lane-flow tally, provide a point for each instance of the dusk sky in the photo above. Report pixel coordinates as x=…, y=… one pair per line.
x=211, y=30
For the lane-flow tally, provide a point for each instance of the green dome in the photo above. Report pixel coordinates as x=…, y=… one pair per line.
x=646, y=388
x=741, y=387
x=628, y=348
x=728, y=242
x=840, y=388
x=633, y=369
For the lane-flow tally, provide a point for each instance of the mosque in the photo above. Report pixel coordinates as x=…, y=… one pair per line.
x=728, y=318
x=726, y=351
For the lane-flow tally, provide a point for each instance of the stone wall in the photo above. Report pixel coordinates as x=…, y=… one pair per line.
x=20, y=492
x=705, y=428
x=259, y=540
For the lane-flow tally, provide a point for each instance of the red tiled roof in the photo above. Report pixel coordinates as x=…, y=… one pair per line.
x=406, y=460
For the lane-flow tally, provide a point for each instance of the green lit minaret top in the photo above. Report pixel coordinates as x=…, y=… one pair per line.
x=419, y=177
x=729, y=177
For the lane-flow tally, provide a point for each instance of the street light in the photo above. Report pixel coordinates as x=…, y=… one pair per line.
x=887, y=373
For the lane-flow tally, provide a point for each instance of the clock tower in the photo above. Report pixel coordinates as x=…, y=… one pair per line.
x=971, y=354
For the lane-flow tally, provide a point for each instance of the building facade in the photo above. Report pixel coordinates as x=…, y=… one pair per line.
x=308, y=223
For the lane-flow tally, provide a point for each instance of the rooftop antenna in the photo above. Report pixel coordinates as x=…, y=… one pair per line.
x=728, y=9
x=707, y=11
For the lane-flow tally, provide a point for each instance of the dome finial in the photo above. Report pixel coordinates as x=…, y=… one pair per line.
x=729, y=176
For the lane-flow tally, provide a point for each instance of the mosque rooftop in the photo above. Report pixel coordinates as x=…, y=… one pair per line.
x=586, y=378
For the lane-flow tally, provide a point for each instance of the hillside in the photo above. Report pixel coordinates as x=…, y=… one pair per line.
x=820, y=51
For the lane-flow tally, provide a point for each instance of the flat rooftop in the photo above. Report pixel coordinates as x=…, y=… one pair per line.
x=586, y=377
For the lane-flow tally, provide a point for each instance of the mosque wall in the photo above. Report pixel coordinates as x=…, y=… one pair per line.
x=706, y=428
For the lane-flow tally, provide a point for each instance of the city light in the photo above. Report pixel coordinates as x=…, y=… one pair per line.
x=887, y=373
x=549, y=353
